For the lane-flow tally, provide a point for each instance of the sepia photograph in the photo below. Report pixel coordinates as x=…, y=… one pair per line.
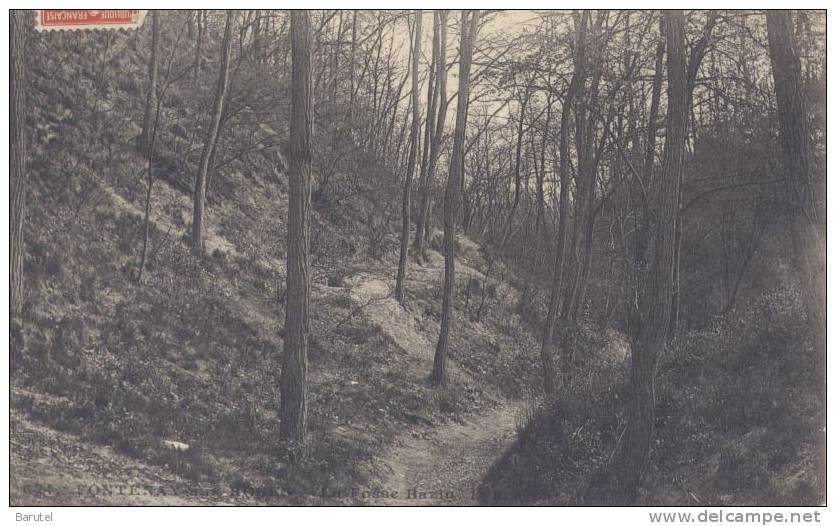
x=418, y=257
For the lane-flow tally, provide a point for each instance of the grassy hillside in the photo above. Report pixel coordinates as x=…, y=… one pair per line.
x=175, y=379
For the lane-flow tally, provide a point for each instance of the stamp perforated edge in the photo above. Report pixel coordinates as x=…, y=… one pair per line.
x=138, y=19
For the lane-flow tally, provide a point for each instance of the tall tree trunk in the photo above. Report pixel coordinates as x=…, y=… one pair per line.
x=635, y=452
x=546, y=349
x=351, y=82
x=585, y=177
x=579, y=295
x=406, y=201
x=149, y=188
x=429, y=138
x=642, y=215
x=336, y=64
x=257, y=30
x=155, y=101
x=517, y=162
x=198, y=61
x=698, y=51
x=469, y=28
x=295, y=360
x=190, y=24
x=422, y=233
x=675, y=294
x=655, y=97
x=151, y=96
x=17, y=155
x=801, y=187
x=211, y=137
x=539, y=224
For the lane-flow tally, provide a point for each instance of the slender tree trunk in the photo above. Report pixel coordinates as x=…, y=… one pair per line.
x=17, y=155
x=149, y=188
x=294, y=360
x=257, y=37
x=406, y=201
x=336, y=63
x=655, y=97
x=588, y=227
x=642, y=215
x=151, y=96
x=517, y=163
x=372, y=133
x=351, y=88
x=452, y=194
x=424, y=212
x=675, y=294
x=546, y=350
x=635, y=453
x=586, y=177
x=579, y=296
x=698, y=51
x=211, y=137
x=801, y=187
x=429, y=138
x=198, y=45
x=540, y=226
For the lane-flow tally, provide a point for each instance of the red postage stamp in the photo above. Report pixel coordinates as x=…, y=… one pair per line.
x=69, y=19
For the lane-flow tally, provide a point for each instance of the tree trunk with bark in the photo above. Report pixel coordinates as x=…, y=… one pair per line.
x=293, y=380
x=585, y=179
x=695, y=58
x=546, y=349
x=655, y=98
x=151, y=96
x=198, y=61
x=801, y=187
x=211, y=137
x=638, y=185
x=406, y=200
x=422, y=227
x=635, y=453
x=429, y=138
x=352, y=77
x=452, y=195
x=517, y=164
x=539, y=224
x=17, y=156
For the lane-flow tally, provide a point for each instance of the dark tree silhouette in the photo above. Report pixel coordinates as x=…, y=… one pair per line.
x=452, y=195
x=295, y=359
x=656, y=305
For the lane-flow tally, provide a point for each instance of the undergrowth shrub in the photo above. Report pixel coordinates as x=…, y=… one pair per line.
x=570, y=436
x=737, y=416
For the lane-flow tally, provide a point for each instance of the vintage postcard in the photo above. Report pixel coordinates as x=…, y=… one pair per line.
x=419, y=257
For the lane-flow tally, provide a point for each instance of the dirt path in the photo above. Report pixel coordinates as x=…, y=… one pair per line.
x=444, y=465
x=429, y=465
